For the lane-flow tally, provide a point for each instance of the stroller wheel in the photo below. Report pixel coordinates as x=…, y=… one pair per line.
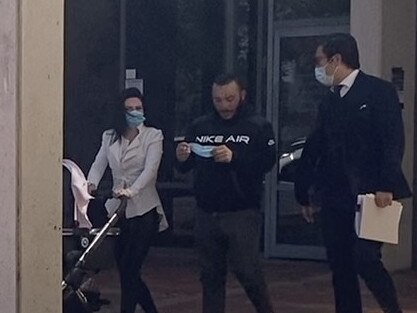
x=81, y=301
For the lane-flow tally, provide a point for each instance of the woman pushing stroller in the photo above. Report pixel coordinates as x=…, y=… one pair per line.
x=133, y=152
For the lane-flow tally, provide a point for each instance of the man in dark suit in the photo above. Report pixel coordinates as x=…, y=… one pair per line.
x=356, y=148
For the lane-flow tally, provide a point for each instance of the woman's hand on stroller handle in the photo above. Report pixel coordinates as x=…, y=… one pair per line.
x=92, y=189
x=122, y=193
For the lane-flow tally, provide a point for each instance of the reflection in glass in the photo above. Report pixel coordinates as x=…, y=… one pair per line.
x=304, y=9
x=299, y=92
x=299, y=97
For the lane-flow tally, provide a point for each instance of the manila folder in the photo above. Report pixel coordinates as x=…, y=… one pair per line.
x=379, y=224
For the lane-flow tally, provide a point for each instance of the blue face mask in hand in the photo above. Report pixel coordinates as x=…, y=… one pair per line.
x=134, y=118
x=203, y=151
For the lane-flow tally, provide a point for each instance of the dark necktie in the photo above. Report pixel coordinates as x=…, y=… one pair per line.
x=337, y=89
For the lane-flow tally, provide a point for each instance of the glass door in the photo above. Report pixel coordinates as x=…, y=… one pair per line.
x=295, y=97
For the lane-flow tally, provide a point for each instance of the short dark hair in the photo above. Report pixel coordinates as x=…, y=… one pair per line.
x=345, y=45
x=227, y=78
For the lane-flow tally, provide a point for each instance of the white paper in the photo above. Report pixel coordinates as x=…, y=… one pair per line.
x=130, y=73
x=375, y=223
x=134, y=83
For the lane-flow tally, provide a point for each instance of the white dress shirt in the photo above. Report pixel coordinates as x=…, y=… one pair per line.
x=348, y=82
x=134, y=167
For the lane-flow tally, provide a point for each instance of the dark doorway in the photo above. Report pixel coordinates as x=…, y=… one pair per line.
x=176, y=48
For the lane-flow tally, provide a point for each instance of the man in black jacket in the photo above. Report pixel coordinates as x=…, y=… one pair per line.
x=230, y=151
x=357, y=148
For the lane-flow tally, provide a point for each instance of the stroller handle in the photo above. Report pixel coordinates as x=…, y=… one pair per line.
x=76, y=275
x=103, y=232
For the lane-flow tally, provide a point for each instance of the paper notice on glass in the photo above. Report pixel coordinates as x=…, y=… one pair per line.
x=134, y=83
x=375, y=223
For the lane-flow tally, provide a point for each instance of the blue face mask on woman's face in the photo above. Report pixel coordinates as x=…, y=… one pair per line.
x=134, y=118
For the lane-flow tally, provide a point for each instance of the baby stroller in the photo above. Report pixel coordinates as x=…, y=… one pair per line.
x=78, y=296
x=86, y=249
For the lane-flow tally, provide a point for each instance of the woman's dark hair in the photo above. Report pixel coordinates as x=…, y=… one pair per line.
x=119, y=118
x=345, y=45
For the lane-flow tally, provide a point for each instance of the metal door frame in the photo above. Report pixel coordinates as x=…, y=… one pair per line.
x=414, y=186
x=276, y=31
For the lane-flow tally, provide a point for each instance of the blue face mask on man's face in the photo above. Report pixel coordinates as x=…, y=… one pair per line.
x=134, y=118
x=203, y=151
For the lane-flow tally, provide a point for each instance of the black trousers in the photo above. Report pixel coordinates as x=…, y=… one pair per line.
x=350, y=256
x=133, y=244
x=232, y=239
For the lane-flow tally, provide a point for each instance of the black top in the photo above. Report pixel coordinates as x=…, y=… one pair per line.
x=221, y=187
x=357, y=146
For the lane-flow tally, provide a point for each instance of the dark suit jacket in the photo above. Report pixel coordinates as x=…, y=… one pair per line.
x=357, y=146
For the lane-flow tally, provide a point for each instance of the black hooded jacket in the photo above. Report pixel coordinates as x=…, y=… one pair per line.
x=234, y=186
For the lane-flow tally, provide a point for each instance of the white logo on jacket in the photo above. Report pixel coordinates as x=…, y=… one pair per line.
x=221, y=139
